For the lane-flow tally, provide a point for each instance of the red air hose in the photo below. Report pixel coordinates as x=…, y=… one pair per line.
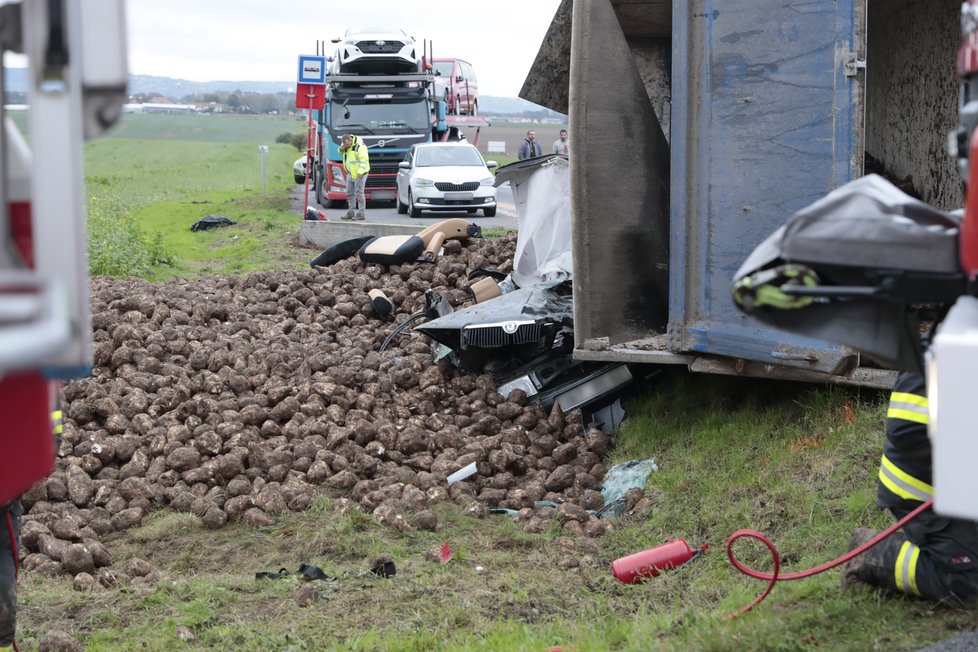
x=771, y=578
x=13, y=544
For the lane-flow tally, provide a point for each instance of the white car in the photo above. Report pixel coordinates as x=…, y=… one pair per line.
x=445, y=177
x=299, y=169
x=374, y=51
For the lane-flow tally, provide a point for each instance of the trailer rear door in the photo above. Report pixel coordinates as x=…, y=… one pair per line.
x=767, y=116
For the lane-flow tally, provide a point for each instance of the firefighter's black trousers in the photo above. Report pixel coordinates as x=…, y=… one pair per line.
x=8, y=572
x=934, y=557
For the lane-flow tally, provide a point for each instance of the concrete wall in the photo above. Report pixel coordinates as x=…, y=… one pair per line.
x=314, y=233
x=547, y=82
x=549, y=77
x=653, y=58
x=912, y=94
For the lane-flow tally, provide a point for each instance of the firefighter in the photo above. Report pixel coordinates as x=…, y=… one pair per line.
x=9, y=536
x=10, y=554
x=356, y=162
x=933, y=557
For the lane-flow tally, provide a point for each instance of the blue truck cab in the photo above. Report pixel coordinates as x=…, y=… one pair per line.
x=388, y=113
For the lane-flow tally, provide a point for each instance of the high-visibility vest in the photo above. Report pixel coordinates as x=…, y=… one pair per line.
x=356, y=159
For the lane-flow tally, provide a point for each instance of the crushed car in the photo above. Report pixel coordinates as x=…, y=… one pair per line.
x=521, y=326
x=517, y=327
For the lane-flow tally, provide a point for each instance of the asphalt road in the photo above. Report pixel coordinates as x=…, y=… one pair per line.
x=386, y=212
x=967, y=642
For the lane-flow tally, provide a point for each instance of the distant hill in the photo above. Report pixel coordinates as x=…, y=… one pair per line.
x=177, y=88
x=493, y=105
x=16, y=82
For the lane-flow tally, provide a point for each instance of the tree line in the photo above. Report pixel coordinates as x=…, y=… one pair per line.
x=230, y=102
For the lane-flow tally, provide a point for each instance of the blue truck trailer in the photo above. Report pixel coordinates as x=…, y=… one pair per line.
x=700, y=126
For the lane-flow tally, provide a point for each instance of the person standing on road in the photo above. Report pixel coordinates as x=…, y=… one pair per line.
x=530, y=148
x=356, y=163
x=934, y=557
x=562, y=145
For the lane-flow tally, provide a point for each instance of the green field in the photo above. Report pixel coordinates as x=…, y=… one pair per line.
x=204, y=127
x=152, y=176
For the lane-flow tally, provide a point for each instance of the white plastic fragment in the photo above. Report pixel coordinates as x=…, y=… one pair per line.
x=462, y=474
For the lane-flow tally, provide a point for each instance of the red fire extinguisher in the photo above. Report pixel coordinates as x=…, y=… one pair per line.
x=649, y=563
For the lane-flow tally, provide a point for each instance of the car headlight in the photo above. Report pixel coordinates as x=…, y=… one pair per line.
x=423, y=183
x=338, y=179
x=487, y=182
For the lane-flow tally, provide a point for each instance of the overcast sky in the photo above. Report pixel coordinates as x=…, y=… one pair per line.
x=260, y=40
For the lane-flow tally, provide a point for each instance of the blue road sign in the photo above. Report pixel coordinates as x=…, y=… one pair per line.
x=312, y=69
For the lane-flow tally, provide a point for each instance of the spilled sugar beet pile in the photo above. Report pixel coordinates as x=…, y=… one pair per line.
x=237, y=398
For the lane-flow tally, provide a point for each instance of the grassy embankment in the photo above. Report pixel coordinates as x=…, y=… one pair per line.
x=795, y=462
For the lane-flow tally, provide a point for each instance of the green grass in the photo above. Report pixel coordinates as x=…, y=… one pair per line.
x=795, y=462
x=501, y=160
x=214, y=128
x=152, y=176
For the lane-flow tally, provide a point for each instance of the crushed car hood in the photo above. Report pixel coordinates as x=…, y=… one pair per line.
x=508, y=316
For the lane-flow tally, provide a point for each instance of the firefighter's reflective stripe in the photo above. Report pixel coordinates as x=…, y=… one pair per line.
x=906, y=568
x=902, y=483
x=57, y=421
x=909, y=407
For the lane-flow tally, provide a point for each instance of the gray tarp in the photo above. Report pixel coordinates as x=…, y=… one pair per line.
x=867, y=223
x=541, y=189
x=855, y=231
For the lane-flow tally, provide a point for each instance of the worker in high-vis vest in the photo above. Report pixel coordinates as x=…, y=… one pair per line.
x=356, y=163
x=10, y=555
x=933, y=557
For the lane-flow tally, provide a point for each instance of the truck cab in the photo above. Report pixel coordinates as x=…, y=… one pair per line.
x=389, y=114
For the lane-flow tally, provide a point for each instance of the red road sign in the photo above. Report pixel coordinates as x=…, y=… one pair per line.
x=310, y=96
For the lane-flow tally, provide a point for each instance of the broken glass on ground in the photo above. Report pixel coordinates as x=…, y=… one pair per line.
x=619, y=479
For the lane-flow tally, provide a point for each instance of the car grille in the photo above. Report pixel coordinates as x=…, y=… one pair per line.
x=372, y=47
x=380, y=175
x=444, y=186
x=493, y=336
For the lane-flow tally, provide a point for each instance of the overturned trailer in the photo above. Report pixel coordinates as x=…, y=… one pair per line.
x=701, y=126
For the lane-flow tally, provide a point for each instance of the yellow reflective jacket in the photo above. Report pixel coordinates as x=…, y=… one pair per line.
x=356, y=160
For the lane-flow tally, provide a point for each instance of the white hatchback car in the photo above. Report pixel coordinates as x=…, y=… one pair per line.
x=375, y=51
x=445, y=177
